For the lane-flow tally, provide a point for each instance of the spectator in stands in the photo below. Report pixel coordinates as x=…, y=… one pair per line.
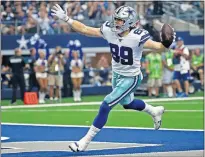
x=76, y=66
x=73, y=8
x=107, y=9
x=6, y=3
x=41, y=75
x=44, y=22
x=32, y=11
x=168, y=67
x=7, y=15
x=17, y=64
x=75, y=11
x=181, y=68
x=197, y=65
x=55, y=25
x=21, y=19
x=31, y=24
x=149, y=9
x=56, y=69
x=59, y=23
x=154, y=71
x=94, y=10
x=8, y=19
x=4, y=28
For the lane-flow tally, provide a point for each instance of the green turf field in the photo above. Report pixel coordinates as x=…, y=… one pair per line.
x=186, y=114
x=85, y=99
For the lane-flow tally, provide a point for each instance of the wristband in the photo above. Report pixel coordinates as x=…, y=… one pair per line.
x=69, y=21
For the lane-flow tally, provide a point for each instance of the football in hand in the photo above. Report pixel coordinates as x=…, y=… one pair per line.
x=167, y=35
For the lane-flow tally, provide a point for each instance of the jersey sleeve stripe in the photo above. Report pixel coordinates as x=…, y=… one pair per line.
x=144, y=37
x=144, y=40
x=101, y=30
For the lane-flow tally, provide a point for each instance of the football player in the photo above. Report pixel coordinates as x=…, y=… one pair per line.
x=126, y=43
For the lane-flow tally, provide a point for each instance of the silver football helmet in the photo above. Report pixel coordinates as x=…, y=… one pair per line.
x=128, y=15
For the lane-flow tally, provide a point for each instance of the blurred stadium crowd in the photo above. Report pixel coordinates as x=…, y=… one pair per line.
x=20, y=17
x=29, y=17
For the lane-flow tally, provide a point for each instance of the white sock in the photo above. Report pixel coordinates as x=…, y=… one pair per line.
x=79, y=94
x=74, y=94
x=40, y=95
x=90, y=134
x=43, y=95
x=149, y=109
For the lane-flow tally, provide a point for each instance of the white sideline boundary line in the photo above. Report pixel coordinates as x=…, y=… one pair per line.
x=88, y=110
x=98, y=103
x=154, y=154
x=110, y=127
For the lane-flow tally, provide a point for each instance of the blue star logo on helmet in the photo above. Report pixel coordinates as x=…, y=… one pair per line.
x=129, y=11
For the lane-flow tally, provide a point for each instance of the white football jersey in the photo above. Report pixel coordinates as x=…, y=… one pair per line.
x=76, y=63
x=42, y=62
x=126, y=51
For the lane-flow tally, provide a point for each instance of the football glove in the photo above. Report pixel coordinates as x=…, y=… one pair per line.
x=59, y=12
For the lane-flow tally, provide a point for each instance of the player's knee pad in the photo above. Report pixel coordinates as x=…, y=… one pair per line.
x=105, y=108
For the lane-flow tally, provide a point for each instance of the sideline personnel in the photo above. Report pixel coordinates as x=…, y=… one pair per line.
x=16, y=63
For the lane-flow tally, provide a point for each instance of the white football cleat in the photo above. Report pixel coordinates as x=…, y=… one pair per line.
x=41, y=101
x=75, y=99
x=78, y=99
x=79, y=146
x=74, y=147
x=157, y=116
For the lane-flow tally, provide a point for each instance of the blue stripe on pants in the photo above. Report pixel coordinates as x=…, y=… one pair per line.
x=125, y=93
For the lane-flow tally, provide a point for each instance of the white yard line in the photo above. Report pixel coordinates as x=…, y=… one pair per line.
x=98, y=103
x=84, y=126
x=86, y=110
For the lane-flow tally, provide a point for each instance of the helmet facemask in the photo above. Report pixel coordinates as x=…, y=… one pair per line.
x=126, y=14
x=118, y=28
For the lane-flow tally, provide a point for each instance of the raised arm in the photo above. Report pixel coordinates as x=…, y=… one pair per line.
x=150, y=44
x=76, y=25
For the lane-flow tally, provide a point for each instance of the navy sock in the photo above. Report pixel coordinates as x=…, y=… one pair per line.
x=102, y=116
x=136, y=104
